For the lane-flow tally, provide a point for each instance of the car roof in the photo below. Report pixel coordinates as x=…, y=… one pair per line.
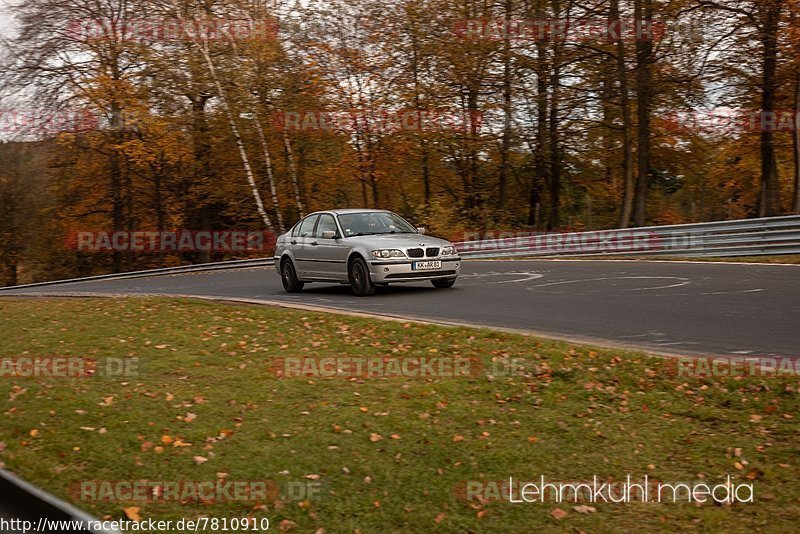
x=355, y=210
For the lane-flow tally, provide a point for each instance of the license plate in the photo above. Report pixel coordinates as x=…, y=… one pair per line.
x=426, y=265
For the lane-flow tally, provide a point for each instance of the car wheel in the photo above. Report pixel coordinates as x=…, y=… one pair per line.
x=359, y=278
x=289, y=278
x=443, y=284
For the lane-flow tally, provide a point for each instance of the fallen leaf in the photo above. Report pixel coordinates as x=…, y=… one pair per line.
x=166, y=440
x=439, y=517
x=583, y=509
x=34, y=433
x=558, y=513
x=199, y=459
x=286, y=525
x=312, y=477
x=532, y=439
x=458, y=437
x=395, y=436
x=375, y=437
x=132, y=513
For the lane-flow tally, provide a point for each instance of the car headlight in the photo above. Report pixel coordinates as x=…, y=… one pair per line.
x=388, y=253
x=448, y=251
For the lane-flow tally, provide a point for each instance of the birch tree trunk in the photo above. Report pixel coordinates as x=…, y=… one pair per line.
x=223, y=98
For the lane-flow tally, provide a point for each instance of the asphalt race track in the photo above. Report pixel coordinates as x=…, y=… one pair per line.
x=669, y=307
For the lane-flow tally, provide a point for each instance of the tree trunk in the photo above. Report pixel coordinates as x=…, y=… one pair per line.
x=270, y=176
x=540, y=147
x=769, y=195
x=627, y=141
x=554, y=218
x=115, y=173
x=226, y=107
x=505, y=146
x=293, y=172
x=643, y=14
x=425, y=157
x=796, y=139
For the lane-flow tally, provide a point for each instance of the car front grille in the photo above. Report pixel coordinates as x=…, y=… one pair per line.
x=415, y=252
x=433, y=251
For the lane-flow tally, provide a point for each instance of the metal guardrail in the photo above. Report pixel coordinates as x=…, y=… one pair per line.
x=746, y=237
x=234, y=264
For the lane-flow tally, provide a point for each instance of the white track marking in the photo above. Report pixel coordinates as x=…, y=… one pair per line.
x=523, y=276
x=683, y=281
x=732, y=292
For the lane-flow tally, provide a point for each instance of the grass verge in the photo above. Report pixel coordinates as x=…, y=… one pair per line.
x=383, y=454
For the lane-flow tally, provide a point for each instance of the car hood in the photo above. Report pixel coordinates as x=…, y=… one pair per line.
x=397, y=241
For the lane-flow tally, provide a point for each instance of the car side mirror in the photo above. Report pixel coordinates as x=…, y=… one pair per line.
x=328, y=234
x=421, y=230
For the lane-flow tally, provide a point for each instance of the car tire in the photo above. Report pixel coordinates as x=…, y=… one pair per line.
x=289, y=278
x=443, y=284
x=359, y=278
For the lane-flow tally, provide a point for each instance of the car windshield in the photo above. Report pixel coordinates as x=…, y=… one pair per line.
x=374, y=222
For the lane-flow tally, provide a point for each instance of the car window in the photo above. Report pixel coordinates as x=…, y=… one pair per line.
x=296, y=229
x=326, y=223
x=374, y=222
x=307, y=226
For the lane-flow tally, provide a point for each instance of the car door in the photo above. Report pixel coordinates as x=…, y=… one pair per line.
x=330, y=253
x=301, y=248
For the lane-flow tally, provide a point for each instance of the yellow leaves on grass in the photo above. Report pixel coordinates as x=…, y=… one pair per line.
x=132, y=513
x=175, y=442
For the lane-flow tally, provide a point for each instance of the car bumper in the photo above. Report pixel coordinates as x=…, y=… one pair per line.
x=386, y=271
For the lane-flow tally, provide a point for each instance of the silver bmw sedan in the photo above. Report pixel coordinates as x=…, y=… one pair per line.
x=363, y=248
